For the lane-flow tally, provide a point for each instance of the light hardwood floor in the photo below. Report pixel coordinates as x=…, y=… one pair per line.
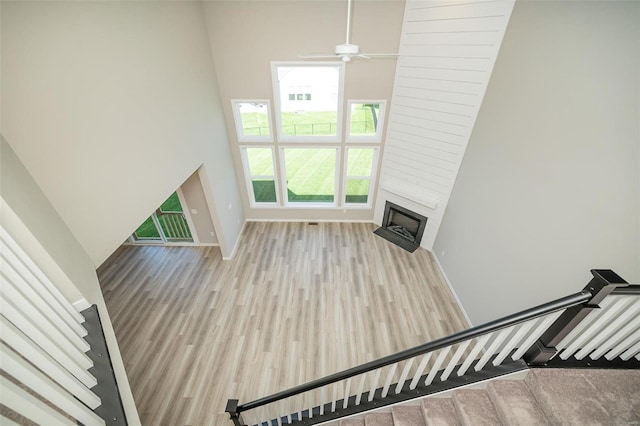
x=296, y=303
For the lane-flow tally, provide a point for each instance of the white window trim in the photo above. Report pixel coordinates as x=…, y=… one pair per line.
x=317, y=204
x=377, y=138
x=238, y=121
x=276, y=97
x=371, y=178
x=249, y=177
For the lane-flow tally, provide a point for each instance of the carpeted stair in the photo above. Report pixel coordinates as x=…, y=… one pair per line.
x=545, y=397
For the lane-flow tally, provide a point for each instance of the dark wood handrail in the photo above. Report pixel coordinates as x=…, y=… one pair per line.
x=508, y=321
x=631, y=290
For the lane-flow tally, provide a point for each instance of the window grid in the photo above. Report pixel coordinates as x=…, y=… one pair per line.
x=350, y=189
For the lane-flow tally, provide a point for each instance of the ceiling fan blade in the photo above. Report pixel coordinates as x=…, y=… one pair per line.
x=379, y=55
x=319, y=56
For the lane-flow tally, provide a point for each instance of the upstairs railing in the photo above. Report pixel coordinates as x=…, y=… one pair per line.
x=593, y=323
x=174, y=226
x=56, y=364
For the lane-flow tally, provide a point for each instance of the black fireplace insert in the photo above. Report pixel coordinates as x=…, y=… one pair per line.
x=402, y=226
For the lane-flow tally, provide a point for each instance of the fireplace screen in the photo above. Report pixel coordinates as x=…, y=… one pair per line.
x=402, y=226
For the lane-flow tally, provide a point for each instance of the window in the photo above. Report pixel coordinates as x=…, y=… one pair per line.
x=365, y=121
x=258, y=165
x=315, y=113
x=310, y=174
x=253, y=122
x=308, y=160
x=358, y=176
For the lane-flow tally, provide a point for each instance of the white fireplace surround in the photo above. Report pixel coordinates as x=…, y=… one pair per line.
x=412, y=197
x=411, y=192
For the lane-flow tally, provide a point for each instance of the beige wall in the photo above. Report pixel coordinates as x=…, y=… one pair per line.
x=246, y=36
x=111, y=106
x=549, y=187
x=196, y=207
x=35, y=225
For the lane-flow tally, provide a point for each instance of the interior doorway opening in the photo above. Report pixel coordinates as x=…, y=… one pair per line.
x=168, y=224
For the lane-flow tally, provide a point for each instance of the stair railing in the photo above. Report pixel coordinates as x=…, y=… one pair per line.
x=57, y=368
x=533, y=336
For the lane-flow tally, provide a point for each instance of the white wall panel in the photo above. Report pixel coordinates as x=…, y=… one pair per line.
x=447, y=53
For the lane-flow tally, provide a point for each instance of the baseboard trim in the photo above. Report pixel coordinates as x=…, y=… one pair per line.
x=235, y=247
x=455, y=295
x=81, y=305
x=150, y=244
x=311, y=220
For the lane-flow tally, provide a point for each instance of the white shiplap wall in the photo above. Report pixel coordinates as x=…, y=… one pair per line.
x=447, y=52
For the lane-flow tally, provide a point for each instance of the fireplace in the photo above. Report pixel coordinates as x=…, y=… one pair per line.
x=402, y=227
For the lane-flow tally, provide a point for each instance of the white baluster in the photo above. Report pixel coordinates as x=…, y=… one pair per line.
x=595, y=329
x=335, y=397
x=472, y=356
x=30, y=407
x=585, y=323
x=26, y=300
x=282, y=408
x=522, y=330
x=37, y=381
x=374, y=385
x=37, y=292
x=629, y=353
x=623, y=346
x=421, y=367
x=543, y=325
x=452, y=364
x=9, y=243
x=493, y=348
x=436, y=366
x=76, y=362
x=403, y=375
x=347, y=389
x=361, y=388
x=609, y=330
x=323, y=399
x=625, y=332
x=387, y=382
x=21, y=343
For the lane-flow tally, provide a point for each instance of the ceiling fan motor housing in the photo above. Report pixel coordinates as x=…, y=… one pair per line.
x=347, y=49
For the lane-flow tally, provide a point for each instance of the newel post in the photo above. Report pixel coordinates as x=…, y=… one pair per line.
x=232, y=409
x=604, y=281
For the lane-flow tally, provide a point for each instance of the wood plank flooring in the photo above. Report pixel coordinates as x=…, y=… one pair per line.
x=298, y=302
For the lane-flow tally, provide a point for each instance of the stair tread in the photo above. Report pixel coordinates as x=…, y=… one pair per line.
x=515, y=404
x=378, y=419
x=474, y=407
x=352, y=422
x=407, y=415
x=569, y=396
x=439, y=412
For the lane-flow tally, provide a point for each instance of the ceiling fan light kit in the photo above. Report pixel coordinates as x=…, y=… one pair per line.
x=346, y=51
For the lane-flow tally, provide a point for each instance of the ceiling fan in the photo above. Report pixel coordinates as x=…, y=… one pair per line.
x=347, y=51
